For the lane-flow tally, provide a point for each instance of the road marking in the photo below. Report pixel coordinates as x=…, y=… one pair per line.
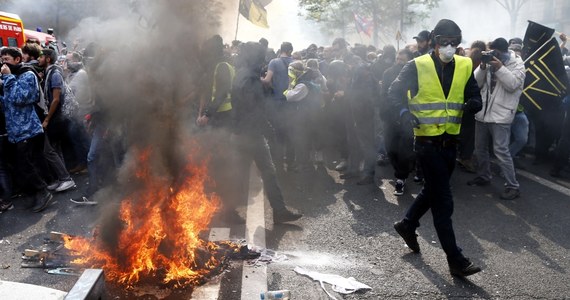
x=557, y=187
x=211, y=290
x=254, y=278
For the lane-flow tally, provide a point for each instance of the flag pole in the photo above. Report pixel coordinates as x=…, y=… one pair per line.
x=237, y=22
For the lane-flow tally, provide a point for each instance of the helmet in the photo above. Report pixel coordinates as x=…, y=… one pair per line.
x=446, y=27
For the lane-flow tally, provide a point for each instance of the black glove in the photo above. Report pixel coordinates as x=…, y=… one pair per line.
x=408, y=119
x=473, y=105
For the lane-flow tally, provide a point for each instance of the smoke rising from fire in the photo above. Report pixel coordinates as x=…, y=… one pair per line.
x=146, y=74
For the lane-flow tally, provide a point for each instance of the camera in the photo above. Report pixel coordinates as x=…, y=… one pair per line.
x=487, y=56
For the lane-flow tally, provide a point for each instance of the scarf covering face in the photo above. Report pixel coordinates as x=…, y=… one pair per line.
x=15, y=69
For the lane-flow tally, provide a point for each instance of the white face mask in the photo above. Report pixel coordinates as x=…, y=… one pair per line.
x=446, y=53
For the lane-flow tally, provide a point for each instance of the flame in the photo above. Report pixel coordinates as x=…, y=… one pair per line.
x=160, y=230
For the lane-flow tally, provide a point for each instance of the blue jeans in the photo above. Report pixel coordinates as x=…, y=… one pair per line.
x=93, y=159
x=519, y=133
x=79, y=140
x=437, y=162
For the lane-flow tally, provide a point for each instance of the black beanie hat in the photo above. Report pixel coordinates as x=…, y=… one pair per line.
x=500, y=44
x=446, y=27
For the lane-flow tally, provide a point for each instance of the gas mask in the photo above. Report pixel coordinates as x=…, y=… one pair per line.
x=446, y=53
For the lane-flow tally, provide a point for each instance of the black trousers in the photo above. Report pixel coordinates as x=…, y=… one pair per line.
x=437, y=160
x=563, y=148
x=254, y=148
x=29, y=155
x=400, y=147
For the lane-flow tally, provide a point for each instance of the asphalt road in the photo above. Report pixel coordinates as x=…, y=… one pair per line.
x=522, y=245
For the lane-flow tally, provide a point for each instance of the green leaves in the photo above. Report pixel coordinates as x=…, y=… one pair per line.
x=387, y=14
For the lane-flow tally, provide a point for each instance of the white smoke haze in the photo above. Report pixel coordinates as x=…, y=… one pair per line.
x=479, y=20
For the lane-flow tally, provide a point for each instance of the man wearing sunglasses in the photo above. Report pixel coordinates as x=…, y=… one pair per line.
x=441, y=86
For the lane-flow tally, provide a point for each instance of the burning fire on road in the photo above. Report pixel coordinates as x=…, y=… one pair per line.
x=158, y=235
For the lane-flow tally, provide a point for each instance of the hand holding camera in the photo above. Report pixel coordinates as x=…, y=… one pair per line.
x=491, y=58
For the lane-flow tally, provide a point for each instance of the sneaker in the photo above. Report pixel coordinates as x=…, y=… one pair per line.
x=342, y=165
x=478, y=181
x=510, y=193
x=463, y=268
x=42, y=201
x=408, y=234
x=368, y=179
x=65, y=185
x=418, y=179
x=6, y=206
x=399, y=191
x=83, y=201
x=285, y=216
x=53, y=186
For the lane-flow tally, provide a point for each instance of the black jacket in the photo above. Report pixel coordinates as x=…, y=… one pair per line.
x=248, y=103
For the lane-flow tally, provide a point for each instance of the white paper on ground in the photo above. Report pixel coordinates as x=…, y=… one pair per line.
x=339, y=284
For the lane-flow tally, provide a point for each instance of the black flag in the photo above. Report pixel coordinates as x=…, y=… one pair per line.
x=546, y=82
x=536, y=35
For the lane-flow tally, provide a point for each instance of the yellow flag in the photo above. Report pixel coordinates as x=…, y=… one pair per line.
x=254, y=12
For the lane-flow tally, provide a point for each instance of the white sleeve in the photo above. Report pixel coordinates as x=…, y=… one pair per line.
x=298, y=93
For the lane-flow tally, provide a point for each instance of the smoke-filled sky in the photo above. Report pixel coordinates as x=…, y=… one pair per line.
x=479, y=20
x=484, y=19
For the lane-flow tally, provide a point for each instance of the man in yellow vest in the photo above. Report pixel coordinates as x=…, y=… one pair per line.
x=441, y=86
x=217, y=111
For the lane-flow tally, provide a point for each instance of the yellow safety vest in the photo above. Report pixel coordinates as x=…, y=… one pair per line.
x=436, y=113
x=227, y=104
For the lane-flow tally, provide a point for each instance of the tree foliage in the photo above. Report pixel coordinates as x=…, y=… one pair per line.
x=387, y=15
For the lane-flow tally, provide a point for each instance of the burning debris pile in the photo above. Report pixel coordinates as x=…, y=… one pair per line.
x=57, y=256
x=156, y=236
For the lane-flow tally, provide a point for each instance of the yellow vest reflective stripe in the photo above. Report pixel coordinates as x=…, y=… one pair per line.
x=438, y=115
x=227, y=104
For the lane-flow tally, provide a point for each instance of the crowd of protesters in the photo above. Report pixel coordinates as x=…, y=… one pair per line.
x=336, y=98
x=49, y=125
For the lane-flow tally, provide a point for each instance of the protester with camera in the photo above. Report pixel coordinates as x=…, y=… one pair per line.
x=501, y=78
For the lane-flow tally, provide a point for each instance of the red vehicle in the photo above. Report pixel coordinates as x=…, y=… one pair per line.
x=11, y=30
x=43, y=38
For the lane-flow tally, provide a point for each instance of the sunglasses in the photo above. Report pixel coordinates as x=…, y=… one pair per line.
x=445, y=41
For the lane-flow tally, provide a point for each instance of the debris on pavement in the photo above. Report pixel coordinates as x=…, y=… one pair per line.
x=267, y=256
x=64, y=271
x=339, y=284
